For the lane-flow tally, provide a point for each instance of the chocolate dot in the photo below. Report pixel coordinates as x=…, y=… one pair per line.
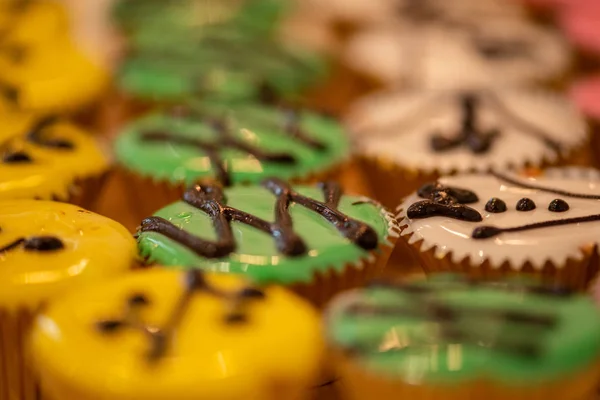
x=495, y=205
x=16, y=157
x=235, y=318
x=558, y=205
x=525, y=204
x=109, y=326
x=43, y=243
x=138, y=299
x=252, y=293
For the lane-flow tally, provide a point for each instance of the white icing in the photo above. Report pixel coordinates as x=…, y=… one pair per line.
x=555, y=244
x=398, y=126
x=445, y=57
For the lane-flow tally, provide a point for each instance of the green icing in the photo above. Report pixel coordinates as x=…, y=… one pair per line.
x=407, y=347
x=261, y=126
x=256, y=254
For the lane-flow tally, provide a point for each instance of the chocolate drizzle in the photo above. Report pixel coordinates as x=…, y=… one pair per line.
x=460, y=323
x=210, y=199
x=469, y=135
x=486, y=232
x=159, y=337
x=226, y=138
x=495, y=49
x=446, y=202
x=527, y=185
x=34, y=243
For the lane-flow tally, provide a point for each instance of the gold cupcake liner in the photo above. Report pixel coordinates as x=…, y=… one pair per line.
x=391, y=182
x=359, y=384
x=85, y=192
x=325, y=285
x=17, y=381
x=144, y=195
x=595, y=143
x=574, y=274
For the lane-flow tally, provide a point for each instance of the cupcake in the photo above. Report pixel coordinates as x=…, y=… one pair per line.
x=456, y=338
x=49, y=159
x=405, y=139
x=500, y=224
x=36, y=82
x=460, y=54
x=174, y=335
x=319, y=242
x=48, y=248
x=164, y=152
x=585, y=93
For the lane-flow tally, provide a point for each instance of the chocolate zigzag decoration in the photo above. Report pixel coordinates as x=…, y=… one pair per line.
x=444, y=201
x=34, y=243
x=226, y=139
x=160, y=337
x=210, y=199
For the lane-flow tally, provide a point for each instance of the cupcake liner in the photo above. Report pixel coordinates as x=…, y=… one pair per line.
x=145, y=195
x=391, y=182
x=16, y=379
x=86, y=192
x=361, y=384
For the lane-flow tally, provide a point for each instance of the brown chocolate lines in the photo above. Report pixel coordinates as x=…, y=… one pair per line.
x=450, y=317
x=446, y=202
x=469, y=135
x=34, y=243
x=210, y=199
x=160, y=337
x=532, y=186
x=486, y=232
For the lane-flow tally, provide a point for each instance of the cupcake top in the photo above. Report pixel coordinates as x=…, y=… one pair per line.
x=314, y=230
x=218, y=61
x=586, y=94
x=450, y=329
x=172, y=334
x=448, y=131
x=29, y=25
x=503, y=51
x=49, y=247
x=37, y=83
x=501, y=218
x=241, y=143
x=42, y=158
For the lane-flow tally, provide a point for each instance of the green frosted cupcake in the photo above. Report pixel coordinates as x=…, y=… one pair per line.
x=455, y=338
x=164, y=152
x=313, y=239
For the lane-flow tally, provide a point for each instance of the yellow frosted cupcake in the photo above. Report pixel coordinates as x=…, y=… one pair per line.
x=47, y=248
x=55, y=79
x=165, y=334
x=49, y=159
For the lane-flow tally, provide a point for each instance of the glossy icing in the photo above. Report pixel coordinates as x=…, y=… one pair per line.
x=537, y=246
x=531, y=127
x=207, y=356
x=448, y=330
x=256, y=253
x=499, y=52
x=45, y=86
x=50, y=170
x=93, y=248
x=218, y=61
x=261, y=126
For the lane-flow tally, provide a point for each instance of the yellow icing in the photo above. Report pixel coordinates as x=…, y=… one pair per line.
x=274, y=355
x=95, y=248
x=57, y=78
x=52, y=171
x=37, y=24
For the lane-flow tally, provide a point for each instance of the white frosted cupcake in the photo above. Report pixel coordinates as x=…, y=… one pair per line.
x=407, y=139
x=498, y=224
x=460, y=53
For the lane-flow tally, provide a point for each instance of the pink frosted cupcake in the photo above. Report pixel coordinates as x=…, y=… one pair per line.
x=580, y=19
x=586, y=94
